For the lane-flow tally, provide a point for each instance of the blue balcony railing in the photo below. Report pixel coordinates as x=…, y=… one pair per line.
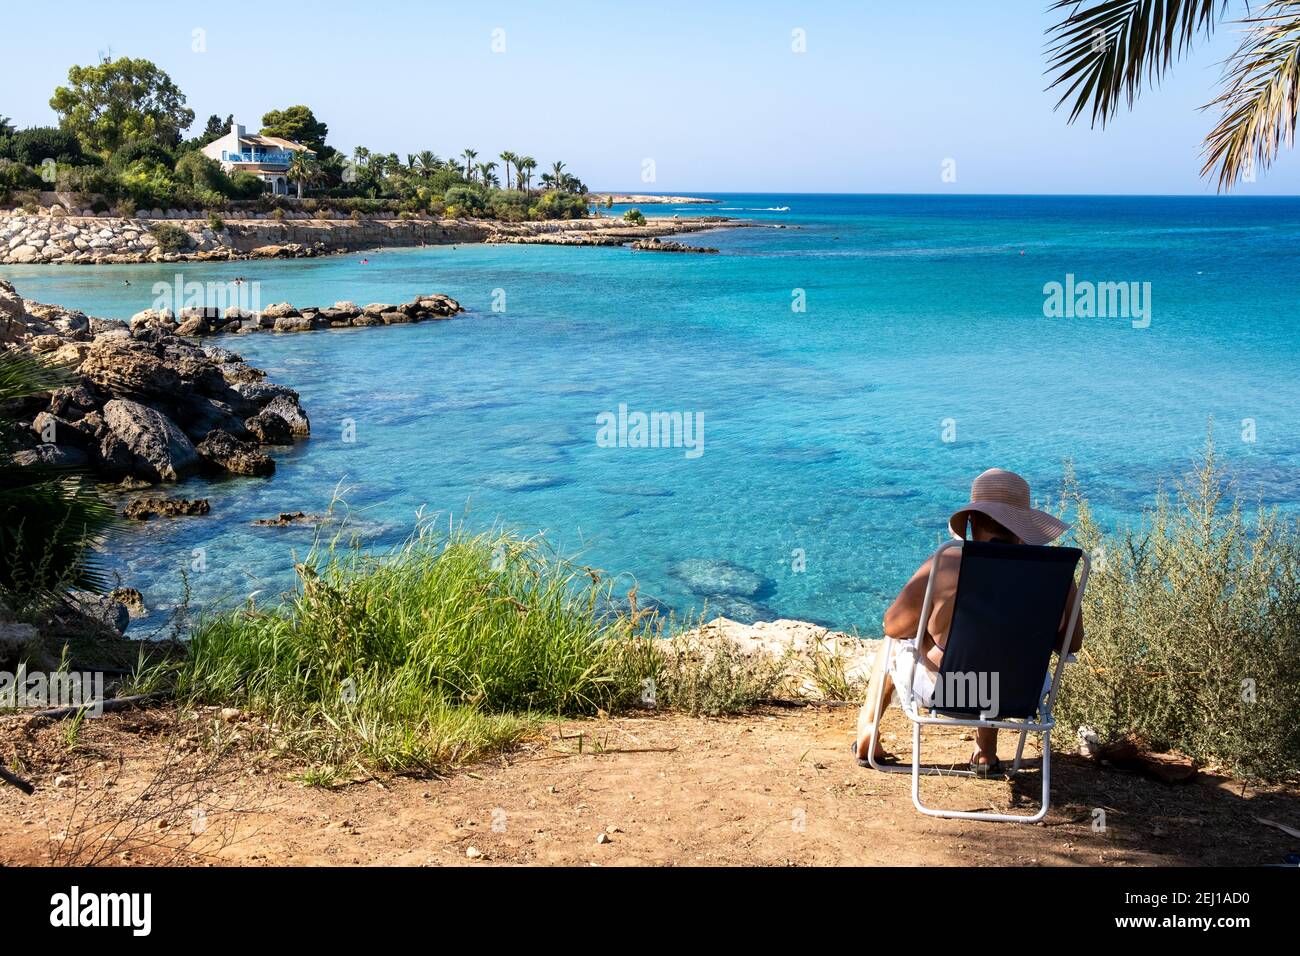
x=270, y=157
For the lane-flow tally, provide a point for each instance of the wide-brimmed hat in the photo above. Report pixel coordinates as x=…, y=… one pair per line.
x=1004, y=497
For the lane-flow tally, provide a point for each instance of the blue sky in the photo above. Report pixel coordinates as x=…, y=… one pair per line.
x=712, y=92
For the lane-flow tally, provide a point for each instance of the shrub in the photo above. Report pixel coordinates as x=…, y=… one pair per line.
x=171, y=238
x=33, y=146
x=15, y=177
x=634, y=216
x=215, y=222
x=559, y=205
x=1192, y=630
x=88, y=180
x=468, y=200
x=124, y=208
x=149, y=184
x=137, y=150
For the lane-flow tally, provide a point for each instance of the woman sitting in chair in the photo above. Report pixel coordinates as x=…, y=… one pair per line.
x=999, y=510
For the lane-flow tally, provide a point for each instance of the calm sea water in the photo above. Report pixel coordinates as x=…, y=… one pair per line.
x=823, y=429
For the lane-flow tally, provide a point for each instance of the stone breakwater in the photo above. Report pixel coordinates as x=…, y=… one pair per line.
x=283, y=317
x=90, y=240
x=82, y=240
x=142, y=405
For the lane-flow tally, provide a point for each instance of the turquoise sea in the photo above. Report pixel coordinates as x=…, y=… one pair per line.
x=823, y=429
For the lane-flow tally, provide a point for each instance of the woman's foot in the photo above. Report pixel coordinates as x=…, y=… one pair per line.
x=881, y=756
x=984, y=766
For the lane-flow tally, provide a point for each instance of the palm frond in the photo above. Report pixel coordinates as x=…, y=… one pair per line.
x=1258, y=106
x=1103, y=53
x=23, y=374
x=52, y=521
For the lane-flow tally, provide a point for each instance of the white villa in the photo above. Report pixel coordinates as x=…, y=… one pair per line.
x=266, y=157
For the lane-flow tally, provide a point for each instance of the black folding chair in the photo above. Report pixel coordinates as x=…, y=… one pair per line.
x=1006, y=621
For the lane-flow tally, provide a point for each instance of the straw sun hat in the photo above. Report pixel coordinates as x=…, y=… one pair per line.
x=1004, y=497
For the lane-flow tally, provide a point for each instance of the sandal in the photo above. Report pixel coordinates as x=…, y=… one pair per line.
x=985, y=770
x=886, y=760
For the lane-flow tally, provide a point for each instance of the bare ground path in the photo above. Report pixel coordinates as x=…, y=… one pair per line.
x=776, y=787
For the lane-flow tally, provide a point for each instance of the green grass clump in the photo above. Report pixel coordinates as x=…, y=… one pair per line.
x=1192, y=630
x=448, y=648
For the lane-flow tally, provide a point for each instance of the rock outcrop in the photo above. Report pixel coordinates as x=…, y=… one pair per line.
x=807, y=649
x=142, y=403
x=152, y=506
x=284, y=317
x=654, y=244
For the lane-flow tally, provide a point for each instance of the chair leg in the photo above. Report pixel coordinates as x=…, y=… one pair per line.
x=1020, y=749
x=982, y=814
x=880, y=711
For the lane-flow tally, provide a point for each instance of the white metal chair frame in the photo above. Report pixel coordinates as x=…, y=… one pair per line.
x=906, y=696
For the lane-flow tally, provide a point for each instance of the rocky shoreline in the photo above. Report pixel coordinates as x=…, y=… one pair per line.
x=58, y=238
x=143, y=405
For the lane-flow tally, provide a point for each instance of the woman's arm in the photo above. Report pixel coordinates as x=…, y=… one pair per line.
x=904, y=615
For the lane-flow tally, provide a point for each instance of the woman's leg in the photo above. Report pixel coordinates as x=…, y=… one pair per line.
x=870, y=714
x=986, y=744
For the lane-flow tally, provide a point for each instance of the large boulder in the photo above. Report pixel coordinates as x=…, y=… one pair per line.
x=293, y=323
x=103, y=609
x=287, y=407
x=225, y=452
x=130, y=371
x=279, y=310
x=159, y=449
x=269, y=429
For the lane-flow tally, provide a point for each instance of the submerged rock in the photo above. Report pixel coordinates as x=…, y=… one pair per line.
x=713, y=577
x=285, y=518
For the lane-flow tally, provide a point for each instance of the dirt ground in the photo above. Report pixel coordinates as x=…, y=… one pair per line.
x=776, y=787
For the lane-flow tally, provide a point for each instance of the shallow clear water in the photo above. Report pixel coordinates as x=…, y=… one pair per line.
x=823, y=429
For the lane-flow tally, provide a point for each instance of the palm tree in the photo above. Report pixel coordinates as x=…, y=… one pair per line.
x=549, y=181
x=50, y=518
x=487, y=174
x=360, y=155
x=557, y=172
x=470, y=155
x=1105, y=51
x=429, y=162
x=526, y=165
x=303, y=169
x=508, y=157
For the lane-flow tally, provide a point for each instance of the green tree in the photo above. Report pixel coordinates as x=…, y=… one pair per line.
x=526, y=166
x=296, y=123
x=213, y=130
x=508, y=157
x=303, y=169
x=121, y=100
x=1105, y=51
x=470, y=155
x=7, y=127
x=429, y=162
x=487, y=174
